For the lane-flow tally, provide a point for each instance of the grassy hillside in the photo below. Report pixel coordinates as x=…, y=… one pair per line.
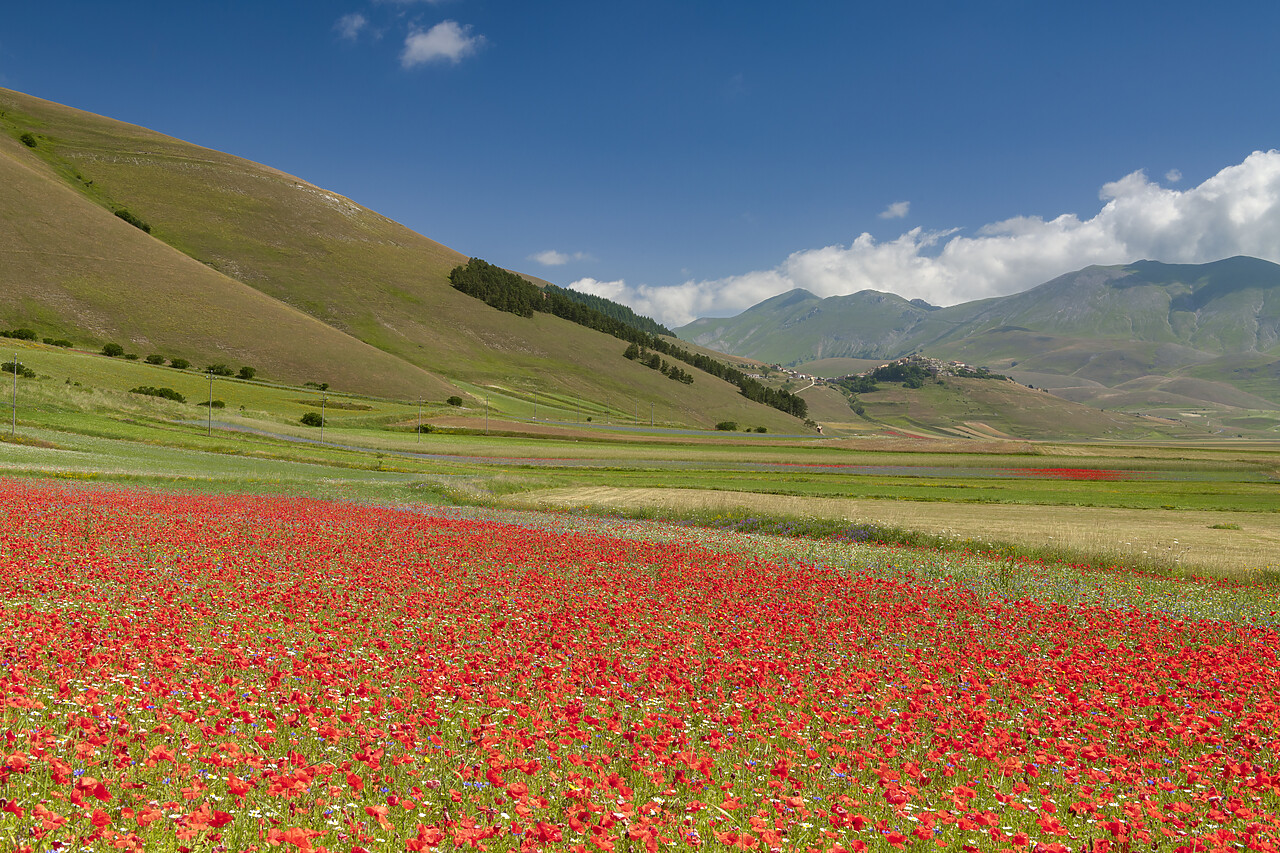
x=248, y=264
x=976, y=408
x=1218, y=322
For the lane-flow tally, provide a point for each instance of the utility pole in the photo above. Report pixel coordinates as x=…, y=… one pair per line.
x=419, y=439
x=486, y=414
x=13, y=427
x=651, y=414
x=208, y=429
x=535, y=404
x=323, y=399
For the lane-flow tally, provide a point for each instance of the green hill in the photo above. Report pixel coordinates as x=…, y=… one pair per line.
x=1103, y=327
x=246, y=264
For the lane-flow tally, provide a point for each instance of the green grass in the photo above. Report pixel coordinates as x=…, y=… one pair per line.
x=77, y=420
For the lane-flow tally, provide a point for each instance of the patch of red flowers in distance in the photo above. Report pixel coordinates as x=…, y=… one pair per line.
x=1075, y=473
x=240, y=673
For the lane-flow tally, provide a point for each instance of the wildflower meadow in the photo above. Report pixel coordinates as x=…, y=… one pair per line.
x=227, y=673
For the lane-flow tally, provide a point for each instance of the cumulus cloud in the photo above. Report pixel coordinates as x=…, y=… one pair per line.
x=447, y=41
x=1235, y=212
x=897, y=210
x=349, y=26
x=1173, y=176
x=552, y=258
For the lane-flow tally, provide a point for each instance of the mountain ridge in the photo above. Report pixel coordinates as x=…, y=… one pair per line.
x=1110, y=324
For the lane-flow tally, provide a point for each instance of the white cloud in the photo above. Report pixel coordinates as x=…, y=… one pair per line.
x=552, y=258
x=447, y=41
x=1173, y=176
x=897, y=210
x=1235, y=212
x=349, y=26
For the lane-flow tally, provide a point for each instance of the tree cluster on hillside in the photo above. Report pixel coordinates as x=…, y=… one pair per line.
x=653, y=361
x=910, y=374
x=498, y=287
x=615, y=310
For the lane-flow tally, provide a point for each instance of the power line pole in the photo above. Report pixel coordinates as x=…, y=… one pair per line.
x=208, y=429
x=651, y=414
x=419, y=439
x=486, y=414
x=323, y=399
x=535, y=404
x=13, y=427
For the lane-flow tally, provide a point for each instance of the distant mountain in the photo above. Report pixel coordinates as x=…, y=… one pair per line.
x=1145, y=322
x=110, y=232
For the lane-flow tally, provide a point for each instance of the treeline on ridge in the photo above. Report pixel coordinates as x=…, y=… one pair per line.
x=507, y=291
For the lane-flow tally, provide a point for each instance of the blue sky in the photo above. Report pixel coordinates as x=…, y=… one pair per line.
x=692, y=158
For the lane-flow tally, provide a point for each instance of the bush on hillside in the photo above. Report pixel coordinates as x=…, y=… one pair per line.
x=312, y=419
x=112, y=350
x=20, y=334
x=165, y=393
x=179, y=363
x=19, y=368
x=247, y=372
x=455, y=400
x=131, y=356
x=58, y=342
x=28, y=140
x=727, y=426
x=133, y=220
x=155, y=359
x=219, y=370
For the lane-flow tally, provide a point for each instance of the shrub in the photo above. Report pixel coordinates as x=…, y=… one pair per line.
x=112, y=350
x=21, y=334
x=455, y=400
x=155, y=359
x=218, y=404
x=28, y=140
x=727, y=426
x=60, y=342
x=762, y=429
x=18, y=368
x=166, y=393
x=247, y=372
x=220, y=370
x=312, y=419
x=131, y=356
x=179, y=363
x=133, y=220
x=319, y=386
x=426, y=428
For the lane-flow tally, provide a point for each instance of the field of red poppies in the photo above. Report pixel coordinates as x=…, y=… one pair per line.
x=233, y=673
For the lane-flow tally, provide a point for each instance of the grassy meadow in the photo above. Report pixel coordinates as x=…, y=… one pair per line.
x=1185, y=507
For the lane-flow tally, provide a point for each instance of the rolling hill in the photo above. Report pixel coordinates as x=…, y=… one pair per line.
x=246, y=264
x=1142, y=335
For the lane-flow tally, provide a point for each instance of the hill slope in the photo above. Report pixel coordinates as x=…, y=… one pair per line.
x=1106, y=326
x=246, y=263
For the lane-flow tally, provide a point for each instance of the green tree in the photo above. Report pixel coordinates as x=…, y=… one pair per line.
x=112, y=350
x=247, y=372
x=312, y=419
